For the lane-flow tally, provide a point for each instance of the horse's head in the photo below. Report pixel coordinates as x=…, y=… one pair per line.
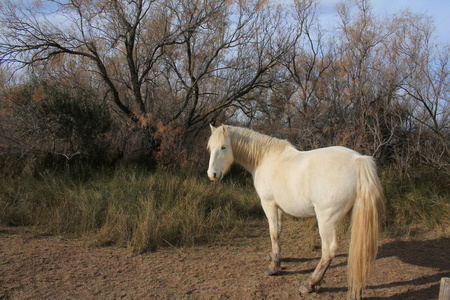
x=221, y=153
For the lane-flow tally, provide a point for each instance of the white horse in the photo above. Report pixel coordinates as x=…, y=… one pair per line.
x=325, y=182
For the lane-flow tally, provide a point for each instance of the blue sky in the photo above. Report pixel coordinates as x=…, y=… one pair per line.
x=439, y=10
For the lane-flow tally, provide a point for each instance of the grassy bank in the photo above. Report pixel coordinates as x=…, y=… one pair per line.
x=129, y=206
x=143, y=209
x=414, y=204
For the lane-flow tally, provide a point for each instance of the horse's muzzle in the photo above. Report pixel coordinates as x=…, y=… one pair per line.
x=215, y=176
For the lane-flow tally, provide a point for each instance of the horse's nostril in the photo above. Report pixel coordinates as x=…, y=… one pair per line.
x=214, y=175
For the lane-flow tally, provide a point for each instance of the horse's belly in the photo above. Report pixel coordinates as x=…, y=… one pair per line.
x=300, y=208
x=294, y=204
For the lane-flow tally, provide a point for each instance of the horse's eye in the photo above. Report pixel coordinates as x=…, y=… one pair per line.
x=223, y=147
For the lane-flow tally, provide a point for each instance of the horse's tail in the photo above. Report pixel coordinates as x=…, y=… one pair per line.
x=365, y=225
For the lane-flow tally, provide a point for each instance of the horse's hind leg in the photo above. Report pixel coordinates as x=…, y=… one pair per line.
x=329, y=246
x=273, y=214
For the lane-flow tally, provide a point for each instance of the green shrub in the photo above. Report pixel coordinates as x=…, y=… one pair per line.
x=74, y=117
x=52, y=124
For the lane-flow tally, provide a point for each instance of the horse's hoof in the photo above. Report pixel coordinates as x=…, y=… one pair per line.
x=270, y=272
x=305, y=289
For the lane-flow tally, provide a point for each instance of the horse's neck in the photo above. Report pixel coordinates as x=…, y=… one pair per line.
x=242, y=158
x=251, y=151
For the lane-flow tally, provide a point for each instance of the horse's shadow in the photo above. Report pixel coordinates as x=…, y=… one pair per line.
x=432, y=254
x=305, y=260
x=429, y=253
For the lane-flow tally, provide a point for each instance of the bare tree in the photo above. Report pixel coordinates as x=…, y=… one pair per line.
x=160, y=61
x=424, y=89
x=307, y=65
x=232, y=54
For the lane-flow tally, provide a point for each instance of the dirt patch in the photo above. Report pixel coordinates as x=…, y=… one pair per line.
x=57, y=268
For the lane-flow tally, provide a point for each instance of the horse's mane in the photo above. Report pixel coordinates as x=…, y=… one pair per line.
x=250, y=147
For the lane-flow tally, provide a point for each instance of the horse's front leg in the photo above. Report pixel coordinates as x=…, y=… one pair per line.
x=274, y=216
x=280, y=223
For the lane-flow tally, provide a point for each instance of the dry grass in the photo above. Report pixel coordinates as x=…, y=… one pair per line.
x=129, y=207
x=142, y=210
x=415, y=204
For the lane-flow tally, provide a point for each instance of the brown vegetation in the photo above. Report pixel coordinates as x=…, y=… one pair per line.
x=160, y=71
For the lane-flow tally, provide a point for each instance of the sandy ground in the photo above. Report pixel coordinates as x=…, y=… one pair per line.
x=45, y=267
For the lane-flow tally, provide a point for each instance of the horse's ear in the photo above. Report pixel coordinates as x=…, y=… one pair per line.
x=212, y=128
x=224, y=130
